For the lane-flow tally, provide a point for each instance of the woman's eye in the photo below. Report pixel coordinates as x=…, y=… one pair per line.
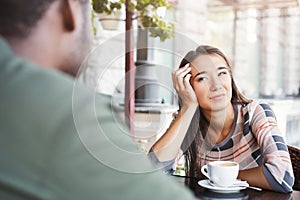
x=202, y=78
x=222, y=73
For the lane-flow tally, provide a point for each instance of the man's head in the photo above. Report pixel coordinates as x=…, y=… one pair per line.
x=52, y=33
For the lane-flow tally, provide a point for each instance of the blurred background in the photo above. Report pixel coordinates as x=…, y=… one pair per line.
x=261, y=37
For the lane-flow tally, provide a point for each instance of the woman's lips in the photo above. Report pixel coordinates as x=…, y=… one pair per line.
x=217, y=96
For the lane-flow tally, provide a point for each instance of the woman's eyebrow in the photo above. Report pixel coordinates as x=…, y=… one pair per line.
x=199, y=73
x=223, y=67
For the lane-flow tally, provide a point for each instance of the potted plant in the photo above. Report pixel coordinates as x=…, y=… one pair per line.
x=149, y=13
x=108, y=12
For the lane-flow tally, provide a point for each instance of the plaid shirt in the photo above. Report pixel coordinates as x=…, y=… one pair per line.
x=254, y=140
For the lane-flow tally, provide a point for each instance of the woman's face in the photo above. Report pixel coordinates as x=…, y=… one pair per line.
x=211, y=81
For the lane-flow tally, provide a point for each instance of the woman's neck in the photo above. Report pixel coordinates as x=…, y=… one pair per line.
x=219, y=123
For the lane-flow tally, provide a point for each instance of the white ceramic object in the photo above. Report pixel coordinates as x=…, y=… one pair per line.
x=232, y=189
x=112, y=21
x=221, y=173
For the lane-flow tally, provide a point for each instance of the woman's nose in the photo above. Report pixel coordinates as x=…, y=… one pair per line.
x=215, y=83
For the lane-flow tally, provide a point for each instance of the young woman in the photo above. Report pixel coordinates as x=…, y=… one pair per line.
x=216, y=122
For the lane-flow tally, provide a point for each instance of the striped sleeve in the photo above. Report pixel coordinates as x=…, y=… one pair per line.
x=277, y=165
x=166, y=165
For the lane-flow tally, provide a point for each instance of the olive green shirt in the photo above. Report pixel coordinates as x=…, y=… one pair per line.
x=58, y=140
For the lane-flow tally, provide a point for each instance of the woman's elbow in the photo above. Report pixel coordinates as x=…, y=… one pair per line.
x=285, y=187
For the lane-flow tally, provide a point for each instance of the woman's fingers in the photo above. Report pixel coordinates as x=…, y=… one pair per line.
x=188, y=88
x=180, y=71
x=186, y=80
x=181, y=81
x=179, y=75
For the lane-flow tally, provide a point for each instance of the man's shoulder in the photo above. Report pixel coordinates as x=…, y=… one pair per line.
x=30, y=90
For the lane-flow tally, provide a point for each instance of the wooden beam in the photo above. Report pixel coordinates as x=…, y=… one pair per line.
x=129, y=71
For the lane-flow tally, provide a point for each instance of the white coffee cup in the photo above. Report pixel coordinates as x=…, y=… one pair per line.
x=221, y=173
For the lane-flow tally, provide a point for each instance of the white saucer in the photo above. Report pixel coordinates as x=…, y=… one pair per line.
x=205, y=183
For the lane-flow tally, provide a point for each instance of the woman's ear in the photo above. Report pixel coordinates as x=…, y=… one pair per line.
x=67, y=15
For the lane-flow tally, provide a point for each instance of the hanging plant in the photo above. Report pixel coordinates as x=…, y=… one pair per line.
x=149, y=13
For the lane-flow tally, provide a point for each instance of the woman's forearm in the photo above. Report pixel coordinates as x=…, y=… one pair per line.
x=255, y=177
x=167, y=147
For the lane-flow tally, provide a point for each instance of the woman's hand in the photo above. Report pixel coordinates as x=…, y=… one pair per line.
x=181, y=82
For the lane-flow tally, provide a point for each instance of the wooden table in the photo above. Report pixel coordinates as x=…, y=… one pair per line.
x=203, y=193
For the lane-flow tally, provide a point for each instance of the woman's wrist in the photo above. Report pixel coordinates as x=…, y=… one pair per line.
x=189, y=108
